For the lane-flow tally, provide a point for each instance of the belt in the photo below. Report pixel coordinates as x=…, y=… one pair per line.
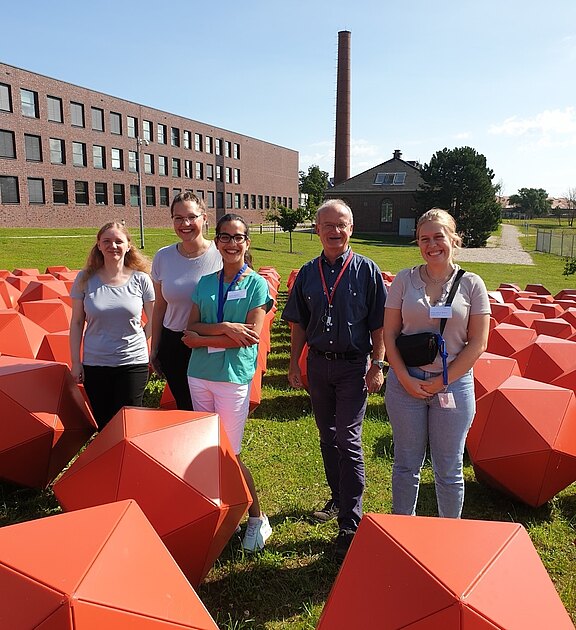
x=334, y=356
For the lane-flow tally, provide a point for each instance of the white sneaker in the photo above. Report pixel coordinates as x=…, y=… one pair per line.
x=257, y=533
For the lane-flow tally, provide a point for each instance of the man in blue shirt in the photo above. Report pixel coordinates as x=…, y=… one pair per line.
x=336, y=306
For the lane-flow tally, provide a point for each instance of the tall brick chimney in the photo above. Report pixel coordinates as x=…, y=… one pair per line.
x=342, y=146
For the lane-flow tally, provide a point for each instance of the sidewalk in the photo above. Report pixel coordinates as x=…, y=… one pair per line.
x=505, y=249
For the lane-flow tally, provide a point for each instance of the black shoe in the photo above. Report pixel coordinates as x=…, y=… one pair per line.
x=343, y=542
x=327, y=513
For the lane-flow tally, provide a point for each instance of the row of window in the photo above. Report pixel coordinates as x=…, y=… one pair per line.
x=9, y=194
x=33, y=151
x=29, y=107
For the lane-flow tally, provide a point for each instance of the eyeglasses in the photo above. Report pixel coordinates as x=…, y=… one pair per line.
x=333, y=226
x=224, y=237
x=190, y=218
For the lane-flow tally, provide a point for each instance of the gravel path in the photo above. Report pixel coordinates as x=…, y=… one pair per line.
x=499, y=249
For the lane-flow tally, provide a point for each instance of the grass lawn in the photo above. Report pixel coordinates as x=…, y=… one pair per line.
x=286, y=585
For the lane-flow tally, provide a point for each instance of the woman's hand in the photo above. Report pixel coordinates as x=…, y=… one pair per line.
x=242, y=334
x=156, y=365
x=433, y=385
x=190, y=339
x=77, y=371
x=415, y=387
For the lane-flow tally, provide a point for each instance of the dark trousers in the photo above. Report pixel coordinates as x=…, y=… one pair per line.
x=111, y=388
x=339, y=395
x=174, y=356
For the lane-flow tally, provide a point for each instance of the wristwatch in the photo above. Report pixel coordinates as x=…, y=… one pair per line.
x=380, y=364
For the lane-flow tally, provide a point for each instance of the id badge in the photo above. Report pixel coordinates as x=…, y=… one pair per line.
x=239, y=294
x=447, y=400
x=441, y=312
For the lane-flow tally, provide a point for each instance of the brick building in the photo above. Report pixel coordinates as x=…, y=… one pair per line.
x=70, y=156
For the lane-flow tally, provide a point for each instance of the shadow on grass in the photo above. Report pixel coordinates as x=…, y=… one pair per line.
x=18, y=504
x=284, y=408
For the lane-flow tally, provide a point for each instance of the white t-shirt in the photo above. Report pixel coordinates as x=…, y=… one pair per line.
x=178, y=277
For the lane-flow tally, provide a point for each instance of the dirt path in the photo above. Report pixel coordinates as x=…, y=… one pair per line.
x=505, y=249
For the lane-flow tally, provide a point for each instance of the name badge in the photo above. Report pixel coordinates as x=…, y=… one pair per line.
x=441, y=312
x=236, y=295
x=210, y=349
x=447, y=400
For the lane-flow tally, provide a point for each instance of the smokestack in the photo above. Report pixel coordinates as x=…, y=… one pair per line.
x=342, y=148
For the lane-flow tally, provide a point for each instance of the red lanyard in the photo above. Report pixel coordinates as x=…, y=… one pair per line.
x=329, y=296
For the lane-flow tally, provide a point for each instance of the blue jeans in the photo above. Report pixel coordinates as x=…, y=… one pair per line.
x=417, y=423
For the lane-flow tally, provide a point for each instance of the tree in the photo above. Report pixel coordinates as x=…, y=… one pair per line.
x=571, y=205
x=459, y=181
x=534, y=202
x=288, y=219
x=314, y=184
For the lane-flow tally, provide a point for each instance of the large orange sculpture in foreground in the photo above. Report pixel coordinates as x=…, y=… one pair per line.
x=491, y=370
x=45, y=420
x=523, y=439
x=422, y=573
x=546, y=358
x=103, y=567
x=180, y=468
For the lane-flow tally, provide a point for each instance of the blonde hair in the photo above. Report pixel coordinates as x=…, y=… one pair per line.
x=133, y=258
x=446, y=220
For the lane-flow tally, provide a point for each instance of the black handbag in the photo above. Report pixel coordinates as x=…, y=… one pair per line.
x=422, y=348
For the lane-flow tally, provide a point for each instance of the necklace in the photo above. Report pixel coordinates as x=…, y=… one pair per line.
x=186, y=254
x=442, y=280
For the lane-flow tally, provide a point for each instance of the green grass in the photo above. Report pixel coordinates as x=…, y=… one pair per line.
x=286, y=586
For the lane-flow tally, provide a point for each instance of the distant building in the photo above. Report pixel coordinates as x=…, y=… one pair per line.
x=383, y=197
x=70, y=156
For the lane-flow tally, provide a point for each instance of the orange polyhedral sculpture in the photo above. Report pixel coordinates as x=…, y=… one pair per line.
x=549, y=310
x=491, y=370
x=19, y=336
x=523, y=439
x=43, y=290
x=501, y=311
x=181, y=469
x=522, y=318
x=53, y=315
x=555, y=327
x=55, y=347
x=424, y=573
x=103, y=567
x=546, y=358
x=505, y=339
x=45, y=420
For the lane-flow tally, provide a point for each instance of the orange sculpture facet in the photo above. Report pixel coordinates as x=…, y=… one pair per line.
x=53, y=315
x=491, y=370
x=45, y=420
x=501, y=311
x=103, y=567
x=505, y=339
x=523, y=439
x=549, y=310
x=55, y=347
x=422, y=573
x=546, y=358
x=555, y=327
x=19, y=336
x=522, y=318
x=180, y=468
x=43, y=290
x=540, y=289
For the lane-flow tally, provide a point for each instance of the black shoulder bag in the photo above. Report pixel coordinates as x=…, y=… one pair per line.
x=422, y=348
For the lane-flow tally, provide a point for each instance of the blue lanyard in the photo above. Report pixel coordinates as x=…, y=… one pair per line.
x=444, y=354
x=222, y=297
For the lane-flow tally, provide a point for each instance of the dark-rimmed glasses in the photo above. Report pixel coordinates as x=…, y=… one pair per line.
x=224, y=237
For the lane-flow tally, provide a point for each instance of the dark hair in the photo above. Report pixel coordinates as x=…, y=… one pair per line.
x=188, y=195
x=236, y=217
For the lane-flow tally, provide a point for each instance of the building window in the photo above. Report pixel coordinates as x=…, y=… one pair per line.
x=236, y=175
x=199, y=170
x=228, y=200
x=117, y=161
x=29, y=103
x=148, y=164
x=199, y=194
x=116, y=123
x=266, y=202
x=77, y=114
x=390, y=179
x=5, y=98
x=57, y=154
x=236, y=151
x=175, y=167
x=132, y=162
x=78, y=154
x=260, y=202
x=7, y=144
x=60, y=191
x=210, y=172
x=175, y=137
x=134, y=195
x=9, y=189
x=228, y=175
x=161, y=134
x=54, y=108
x=386, y=208
x=188, y=168
x=209, y=148
x=198, y=141
x=150, y=196
x=176, y=191
x=81, y=192
x=237, y=201
x=147, y=130
x=186, y=139
x=164, y=196
x=98, y=156
x=132, y=126
x=33, y=148
x=218, y=146
x=227, y=149
x=162, y=165
x=119, y=195
x=98, y=119
x=290, y=203
x=245, y=201
x=253, y=202
x=218, y=173
x=210, y=200
x=101, y=193
x=36, y=190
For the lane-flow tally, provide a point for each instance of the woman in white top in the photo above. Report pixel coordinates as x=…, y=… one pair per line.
x=109, y=295
x=429, y=404
x=176, y=270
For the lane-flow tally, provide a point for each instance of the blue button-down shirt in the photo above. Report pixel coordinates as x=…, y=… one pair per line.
x=357, y=304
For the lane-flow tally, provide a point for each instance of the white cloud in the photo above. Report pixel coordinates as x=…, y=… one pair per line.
x=547, y=129
x=463, y=135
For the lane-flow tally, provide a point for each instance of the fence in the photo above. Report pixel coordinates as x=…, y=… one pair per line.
x=556, y=242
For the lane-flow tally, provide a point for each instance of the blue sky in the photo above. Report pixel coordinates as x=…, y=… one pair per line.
x=496, y=75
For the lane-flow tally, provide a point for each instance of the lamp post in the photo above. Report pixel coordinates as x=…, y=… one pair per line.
x=139, y=143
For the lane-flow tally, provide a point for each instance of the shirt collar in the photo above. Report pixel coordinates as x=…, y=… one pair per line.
x=342, y=258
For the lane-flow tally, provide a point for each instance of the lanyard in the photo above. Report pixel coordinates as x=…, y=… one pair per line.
x=223, y=296
x=330, y=296
x=444, y=354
